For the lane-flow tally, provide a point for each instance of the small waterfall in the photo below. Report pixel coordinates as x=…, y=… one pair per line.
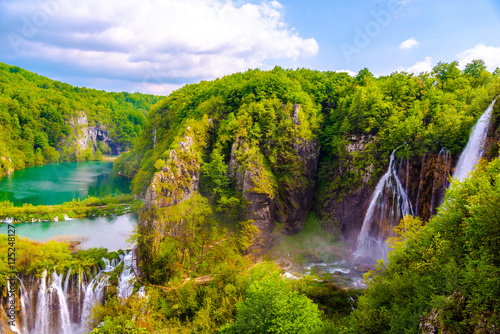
x=56, y=287
x=42, y=314
x=93, y=294
x=127, y=278
x=66, y=281
x=474, y=148
x=388, y=206
x=22, y=299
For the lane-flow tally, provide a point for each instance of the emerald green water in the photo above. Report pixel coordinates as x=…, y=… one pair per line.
x=58, y=183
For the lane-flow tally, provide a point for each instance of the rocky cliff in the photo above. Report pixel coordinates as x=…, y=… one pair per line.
x=271, y=198
x=178, y=177
x=89, y=136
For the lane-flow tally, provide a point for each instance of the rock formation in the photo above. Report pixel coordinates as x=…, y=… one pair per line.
x=88, y=136
x=178, y=178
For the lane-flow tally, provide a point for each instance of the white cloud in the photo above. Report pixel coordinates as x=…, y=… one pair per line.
x=351, y=73
x=419, y=67
x=409, y=44
x=160, y=39
x=490, y=55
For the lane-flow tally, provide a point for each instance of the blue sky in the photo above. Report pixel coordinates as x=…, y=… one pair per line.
x=156, y=46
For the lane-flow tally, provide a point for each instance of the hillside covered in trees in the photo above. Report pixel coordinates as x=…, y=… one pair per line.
x=233, y=171
x=248, y=157
x=42, y=120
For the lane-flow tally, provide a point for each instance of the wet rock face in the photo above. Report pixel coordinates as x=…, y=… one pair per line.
x=296, y=201
x=260, y=206
x=288, y=204
x=348, y=213
x=426, y=180
x=178, y=178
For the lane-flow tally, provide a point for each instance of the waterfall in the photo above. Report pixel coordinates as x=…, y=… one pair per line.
x=66, y=281
x=127, y=278
x=42, y=315
x=389, y=204
x=474, y=148
x=63, y=306
x=93, y=294
x=22, y=299
x=62, y=303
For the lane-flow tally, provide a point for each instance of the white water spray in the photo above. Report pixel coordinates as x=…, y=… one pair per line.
x=371, y=242
x=474, y=149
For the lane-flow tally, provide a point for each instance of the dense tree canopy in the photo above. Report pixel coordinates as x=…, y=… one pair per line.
x=37, y=117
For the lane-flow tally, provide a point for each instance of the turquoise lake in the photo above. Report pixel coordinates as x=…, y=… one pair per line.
x=58, y=183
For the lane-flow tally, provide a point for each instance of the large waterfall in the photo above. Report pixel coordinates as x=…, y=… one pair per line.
x=474, y=148
x=389, y=204
x=61, y=303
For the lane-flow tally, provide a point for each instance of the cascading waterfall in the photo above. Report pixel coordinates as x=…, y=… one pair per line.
x=94, y=293
x=42, y=316
x=388, y=206
x=61, y=303
x=65, y=324
x=126, y=283
x=22, y=299
x=474, y=148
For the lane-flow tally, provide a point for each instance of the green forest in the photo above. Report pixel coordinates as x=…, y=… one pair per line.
x=243, y=171
x=38, y=119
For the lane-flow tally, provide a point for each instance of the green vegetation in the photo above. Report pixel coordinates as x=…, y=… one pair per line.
x=247, y=128
x=89, y=207
x=198, y=250
x=39, y=119
x=32, y=258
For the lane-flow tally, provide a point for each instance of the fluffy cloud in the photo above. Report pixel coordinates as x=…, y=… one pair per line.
x=419, y=67
x=409, y=44
x=490, y=55
x=155, y=40
x=351, y=73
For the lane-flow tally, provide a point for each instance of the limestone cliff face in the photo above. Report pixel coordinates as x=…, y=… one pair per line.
x=269, y=200
x=178, y=178
x=344, y=204
x=6, y=167
x=296, y=199
x=256, y=186
x=88, y=136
